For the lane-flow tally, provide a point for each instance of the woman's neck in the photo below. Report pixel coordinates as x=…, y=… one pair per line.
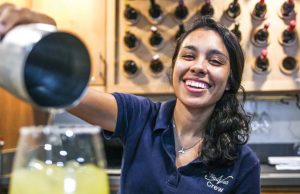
x=191, y=122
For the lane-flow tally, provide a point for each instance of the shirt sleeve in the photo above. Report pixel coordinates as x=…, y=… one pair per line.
x=250, y=181
x=133, y=113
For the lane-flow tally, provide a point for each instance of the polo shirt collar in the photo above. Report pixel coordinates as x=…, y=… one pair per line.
x=165, y=115
x=163, y=121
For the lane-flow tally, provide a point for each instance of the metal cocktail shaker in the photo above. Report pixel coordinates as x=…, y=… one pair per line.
x=43, y=66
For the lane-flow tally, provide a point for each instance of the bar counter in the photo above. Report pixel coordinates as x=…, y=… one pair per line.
x=270, y=179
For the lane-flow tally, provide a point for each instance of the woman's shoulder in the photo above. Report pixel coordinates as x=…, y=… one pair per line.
x=248, y=156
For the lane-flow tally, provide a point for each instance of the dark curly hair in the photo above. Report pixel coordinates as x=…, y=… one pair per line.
x=228, y=127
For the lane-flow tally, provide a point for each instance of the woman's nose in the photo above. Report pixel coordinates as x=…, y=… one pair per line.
x=199, y=67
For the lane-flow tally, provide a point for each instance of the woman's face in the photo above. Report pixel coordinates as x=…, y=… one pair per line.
x=201, y=70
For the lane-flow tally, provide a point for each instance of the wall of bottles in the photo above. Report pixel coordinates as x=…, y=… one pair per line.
x=144, y=33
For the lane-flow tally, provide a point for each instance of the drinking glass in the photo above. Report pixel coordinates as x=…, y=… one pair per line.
x=265, y=122
x=255, y=121
x=59, y=160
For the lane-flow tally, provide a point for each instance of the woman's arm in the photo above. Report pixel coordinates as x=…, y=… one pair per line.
x=95, y=107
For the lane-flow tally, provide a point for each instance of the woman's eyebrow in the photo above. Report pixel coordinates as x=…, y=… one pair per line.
x=190, y=47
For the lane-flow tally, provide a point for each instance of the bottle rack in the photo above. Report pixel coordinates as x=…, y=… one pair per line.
x=142, y=77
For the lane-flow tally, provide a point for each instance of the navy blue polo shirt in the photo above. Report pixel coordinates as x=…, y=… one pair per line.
x=148, y=165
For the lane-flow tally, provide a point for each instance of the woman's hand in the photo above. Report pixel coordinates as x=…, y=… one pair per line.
x=11, y=15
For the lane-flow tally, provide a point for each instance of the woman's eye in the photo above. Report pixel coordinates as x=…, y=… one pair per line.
x=215, y=62
x=188, y=57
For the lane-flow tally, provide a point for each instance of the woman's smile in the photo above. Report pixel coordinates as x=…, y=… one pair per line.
x=196, y=86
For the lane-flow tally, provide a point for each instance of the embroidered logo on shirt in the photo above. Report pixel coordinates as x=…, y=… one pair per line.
x=217, y=183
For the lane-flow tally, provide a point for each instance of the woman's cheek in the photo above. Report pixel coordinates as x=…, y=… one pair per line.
x=181, y=66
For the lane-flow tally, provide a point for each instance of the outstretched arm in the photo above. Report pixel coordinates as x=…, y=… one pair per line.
x=97, y=108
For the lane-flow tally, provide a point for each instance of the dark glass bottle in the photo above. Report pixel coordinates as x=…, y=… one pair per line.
x=233, y=10
x=289, y=34
x=155, y=11
x=130, y=67
x=130, y=40
x=181, y=11
x=287, y=8
x=262, y=61
x=180, y=31
x=289, y=63
x=207, y=9
x=156, y=39
x=236, y=31
x=260, y=9
x=131, y=14
x=262, y=35
x=156, y=65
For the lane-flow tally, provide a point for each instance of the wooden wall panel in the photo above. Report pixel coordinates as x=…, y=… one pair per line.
x=146, y=81
x=86, y=19
x=14, y=114
x=22, y=3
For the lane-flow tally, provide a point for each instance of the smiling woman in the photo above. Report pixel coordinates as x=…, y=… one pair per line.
x=206, y=78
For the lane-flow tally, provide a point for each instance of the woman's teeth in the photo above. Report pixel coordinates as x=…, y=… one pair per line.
x=196, y=84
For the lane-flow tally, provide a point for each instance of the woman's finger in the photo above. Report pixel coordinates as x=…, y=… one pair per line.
x=9, y=17
x=5, y=6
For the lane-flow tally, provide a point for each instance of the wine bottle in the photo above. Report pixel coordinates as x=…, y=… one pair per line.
x=130, y=40
x=262, y=61
x=181, y=11
x=260, y=9
x=262, y=35
x=130, y=67
x=236, y=31
x=289, y=34
x=289, y=64
x=233, y=10
x=288, y=9
x=180, y=31
x=156, y=39
x=155, y=11
x=131, y=14
x=156, y=64
x=207, y=9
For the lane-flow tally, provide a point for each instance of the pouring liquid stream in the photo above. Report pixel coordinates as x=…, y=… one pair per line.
x=52, y=114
